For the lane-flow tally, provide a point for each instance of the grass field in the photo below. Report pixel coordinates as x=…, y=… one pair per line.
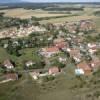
x=23, y=13
x=88, y=13
x=26, y=89
x=69, y=19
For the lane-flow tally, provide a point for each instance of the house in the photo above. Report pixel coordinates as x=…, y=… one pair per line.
x=29, y=63
x=75, y=54
x=72, y=27
x=95, y=63
x=62, y=59
x=5, y=45
x=48, y=52
x=11, y=76
x=8, y=64
x=35, y=75
x=54, y=70
x=91, y=45
x=86, y=25
x=60, y=43
x=84, y=68
x=92, y=48
x=73, y=51
x=78, y=39
x=58, y=40
x=79, y=71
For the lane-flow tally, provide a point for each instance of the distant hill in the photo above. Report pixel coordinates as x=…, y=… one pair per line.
x=9, y=4
x=10, y=1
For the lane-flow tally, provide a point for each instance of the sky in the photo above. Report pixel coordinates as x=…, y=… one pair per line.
x=62, y=0
x=11, y=1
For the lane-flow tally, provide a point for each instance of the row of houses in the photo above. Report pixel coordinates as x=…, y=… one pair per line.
x=20, y=32
x=8, y=65
x=73, y=27
x=36, y=74
x=87, y=68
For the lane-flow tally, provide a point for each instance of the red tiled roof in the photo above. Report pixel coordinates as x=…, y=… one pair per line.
x=83, y=65
x=74, y=52
x=7, y=62
x=12, y=76
x=61, y=44
x=86, y=25
x=95, y=63
x=54, y=70
x=59, y=40
x=52, y=49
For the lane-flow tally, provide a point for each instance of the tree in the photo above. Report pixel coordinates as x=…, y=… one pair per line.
x=58, y=64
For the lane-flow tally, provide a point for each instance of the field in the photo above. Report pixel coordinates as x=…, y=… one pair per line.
x=69, y=19
x=27, y=89
x=23, y=13
x=86, y=14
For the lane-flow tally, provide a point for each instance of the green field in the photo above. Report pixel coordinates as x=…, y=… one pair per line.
x=88, y=13
x=68, y=19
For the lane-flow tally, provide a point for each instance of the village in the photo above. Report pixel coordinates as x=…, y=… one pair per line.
x=64, y=43
x=21, y=32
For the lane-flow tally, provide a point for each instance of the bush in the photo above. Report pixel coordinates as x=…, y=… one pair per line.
x=59, y=64
x=48, y=78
